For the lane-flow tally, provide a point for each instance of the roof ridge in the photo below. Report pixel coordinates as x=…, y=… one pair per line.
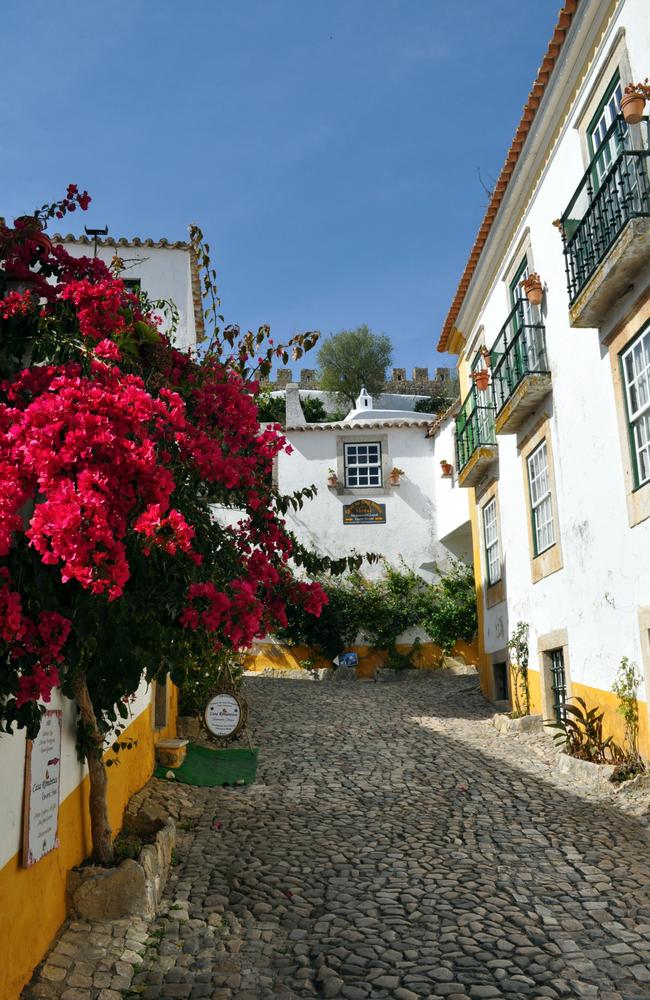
x=565, y=18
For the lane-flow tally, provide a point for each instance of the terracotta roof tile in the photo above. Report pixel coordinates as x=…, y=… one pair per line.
x=545, y=71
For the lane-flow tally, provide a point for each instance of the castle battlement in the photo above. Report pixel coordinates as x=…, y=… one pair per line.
x=420, y=384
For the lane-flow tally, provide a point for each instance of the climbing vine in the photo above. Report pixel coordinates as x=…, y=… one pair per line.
x=518, y=646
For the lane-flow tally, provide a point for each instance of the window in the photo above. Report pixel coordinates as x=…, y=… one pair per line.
x=606, y=114
x=132, y=285
x=491, y=539
x=558, y=683
x=540, y=500
x=363, y=464
x=635, y=364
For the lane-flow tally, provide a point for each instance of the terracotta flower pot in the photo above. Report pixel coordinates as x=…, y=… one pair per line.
x=534, y=289
x=632, y=106
x=481, y=379
x=332, y=481
x=447, y=468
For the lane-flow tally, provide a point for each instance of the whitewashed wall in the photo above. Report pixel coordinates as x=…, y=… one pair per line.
x=164, y=273
x=12, y=767
x=411, y=530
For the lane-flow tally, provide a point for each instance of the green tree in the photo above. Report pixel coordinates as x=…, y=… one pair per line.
x=352, y=359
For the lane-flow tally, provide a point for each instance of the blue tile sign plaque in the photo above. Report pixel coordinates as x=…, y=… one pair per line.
x=364, y=512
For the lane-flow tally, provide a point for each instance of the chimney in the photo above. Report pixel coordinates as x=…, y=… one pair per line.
x=293, y=410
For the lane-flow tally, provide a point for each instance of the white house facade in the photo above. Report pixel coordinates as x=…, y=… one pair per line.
x=553, y=436
x=379, y=485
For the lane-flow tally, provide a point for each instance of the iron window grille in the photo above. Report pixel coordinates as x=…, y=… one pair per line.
x=541, y=502
x=363, y=464
x=635, y=365
x=558, y=684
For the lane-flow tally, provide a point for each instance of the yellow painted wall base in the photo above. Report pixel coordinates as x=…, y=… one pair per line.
x=32, y=900
x=613, y=723
x=269, y=656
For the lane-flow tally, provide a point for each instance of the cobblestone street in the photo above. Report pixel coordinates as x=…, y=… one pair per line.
x=396, y=847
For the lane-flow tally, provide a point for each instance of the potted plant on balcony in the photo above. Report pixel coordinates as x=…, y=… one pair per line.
x=481, y=378
x=395, y=475
x=533, y=288
x=633, y=101
x=332, y=478
x=447, y=468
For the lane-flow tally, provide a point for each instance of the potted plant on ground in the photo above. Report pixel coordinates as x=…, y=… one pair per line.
x=447, y=468
x=395, y=475
x=533, y=288
x=633, y=101
x=332, y=478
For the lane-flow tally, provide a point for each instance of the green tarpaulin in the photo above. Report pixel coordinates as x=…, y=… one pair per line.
x=206, y=767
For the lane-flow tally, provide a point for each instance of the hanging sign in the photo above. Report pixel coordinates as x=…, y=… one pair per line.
x=42, y=790
x=224, y=714
x=364, y=512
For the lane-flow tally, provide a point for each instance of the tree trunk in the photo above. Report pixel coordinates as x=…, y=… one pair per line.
x=100, y=828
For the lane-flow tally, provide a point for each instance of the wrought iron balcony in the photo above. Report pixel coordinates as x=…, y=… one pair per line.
x=476, y=443
x=606, y=227
x=520, y=373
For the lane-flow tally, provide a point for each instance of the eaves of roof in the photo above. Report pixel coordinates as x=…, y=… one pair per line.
x=565, y=17
x=450, y=412
x=359, y=425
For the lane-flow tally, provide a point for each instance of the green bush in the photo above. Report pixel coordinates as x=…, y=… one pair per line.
x=380, y=610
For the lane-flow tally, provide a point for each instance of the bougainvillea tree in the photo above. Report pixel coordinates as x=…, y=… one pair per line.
x=114, y=449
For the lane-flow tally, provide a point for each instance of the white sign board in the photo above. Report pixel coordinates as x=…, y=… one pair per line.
x=223, y=714
x=42, y=789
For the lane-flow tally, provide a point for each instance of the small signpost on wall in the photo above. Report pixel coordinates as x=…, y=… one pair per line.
x=42, y=790
x=364, y=512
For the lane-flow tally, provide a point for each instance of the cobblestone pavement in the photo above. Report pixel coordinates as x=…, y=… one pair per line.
x=396, y=847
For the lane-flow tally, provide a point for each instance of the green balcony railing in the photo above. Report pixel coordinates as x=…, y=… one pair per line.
x=519, y=350
x=474, y=425
x=614, y=190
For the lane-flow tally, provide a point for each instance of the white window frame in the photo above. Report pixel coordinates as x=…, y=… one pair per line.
x=541, y=499
x=635, y=368
x=373, y=469
x=491, y=542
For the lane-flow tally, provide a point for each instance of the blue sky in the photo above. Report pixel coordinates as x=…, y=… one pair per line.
x=329, y=149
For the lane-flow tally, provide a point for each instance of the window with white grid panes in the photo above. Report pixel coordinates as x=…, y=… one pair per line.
x=540, y=499
x=491, y=540
x=635, y=362
x=363, y=464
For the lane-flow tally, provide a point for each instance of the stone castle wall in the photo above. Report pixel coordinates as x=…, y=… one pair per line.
x=420, y=384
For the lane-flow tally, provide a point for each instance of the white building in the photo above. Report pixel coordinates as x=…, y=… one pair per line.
x=162, y=269
x=412, y=517
x=555, y=454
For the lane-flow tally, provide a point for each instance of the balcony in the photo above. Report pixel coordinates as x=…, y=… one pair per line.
x=520, y=374
x=476, y=443
x=606, y=227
